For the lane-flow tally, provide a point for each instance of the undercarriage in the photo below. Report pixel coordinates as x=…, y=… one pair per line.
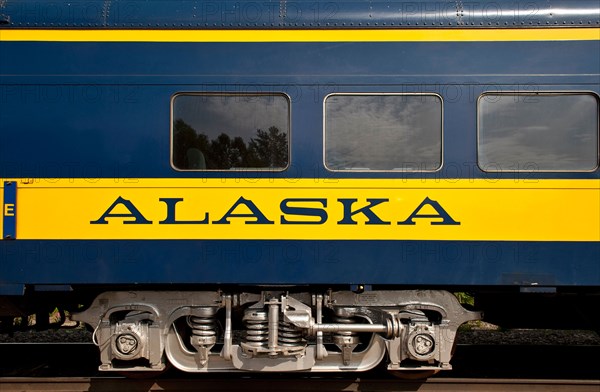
x=275, y=331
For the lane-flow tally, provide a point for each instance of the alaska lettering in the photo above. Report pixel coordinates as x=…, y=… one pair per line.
x=294, y=211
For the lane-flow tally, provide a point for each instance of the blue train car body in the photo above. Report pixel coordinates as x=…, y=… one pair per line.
x=272, y=156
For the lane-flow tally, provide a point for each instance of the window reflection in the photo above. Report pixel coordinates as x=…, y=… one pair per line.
x=531, y=132
x=383, y=132
x=230, y=132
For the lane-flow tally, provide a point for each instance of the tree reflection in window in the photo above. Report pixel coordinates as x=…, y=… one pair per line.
x=229, y=132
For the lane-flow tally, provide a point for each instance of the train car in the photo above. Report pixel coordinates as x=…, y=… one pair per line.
x=298, y=185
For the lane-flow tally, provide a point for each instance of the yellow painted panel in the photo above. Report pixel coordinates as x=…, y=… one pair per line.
x=503, y=210
x=340, y=35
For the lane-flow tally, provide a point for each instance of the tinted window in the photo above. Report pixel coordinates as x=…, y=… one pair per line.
x=230, y=132
x=383, y=132
x=545, y=132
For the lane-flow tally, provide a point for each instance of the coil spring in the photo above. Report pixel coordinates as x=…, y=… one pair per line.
x=203, y=326
x=344, y=320
x=289, y=335
x=257, y=328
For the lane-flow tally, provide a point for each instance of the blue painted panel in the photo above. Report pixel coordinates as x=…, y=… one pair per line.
x=182, y=14
x=97, y=115
x=387, y=60
x=301, y=262
x=12, y=289
x=106, y=138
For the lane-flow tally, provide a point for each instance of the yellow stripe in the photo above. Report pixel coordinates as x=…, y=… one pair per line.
x=500, y=210
x=358, y=35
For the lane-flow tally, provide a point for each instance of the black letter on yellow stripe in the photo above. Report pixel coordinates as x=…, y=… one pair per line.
x=133, y=213
x=441, y=213
x=172, y=220
x=261, y=219
x=373, y=219
x=303, y=211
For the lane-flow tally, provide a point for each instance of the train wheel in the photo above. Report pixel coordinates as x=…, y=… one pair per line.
x=413, y=374
x=143, y=375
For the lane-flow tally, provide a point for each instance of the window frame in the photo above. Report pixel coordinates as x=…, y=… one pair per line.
x=231, y=94
x=407, y=170
x=539, y=93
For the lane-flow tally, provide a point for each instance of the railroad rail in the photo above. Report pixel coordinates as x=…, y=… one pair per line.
x=71, y=368
x=502, y=362
x=294, y=385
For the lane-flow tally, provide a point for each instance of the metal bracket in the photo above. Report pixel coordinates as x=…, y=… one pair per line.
x=9, y=211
